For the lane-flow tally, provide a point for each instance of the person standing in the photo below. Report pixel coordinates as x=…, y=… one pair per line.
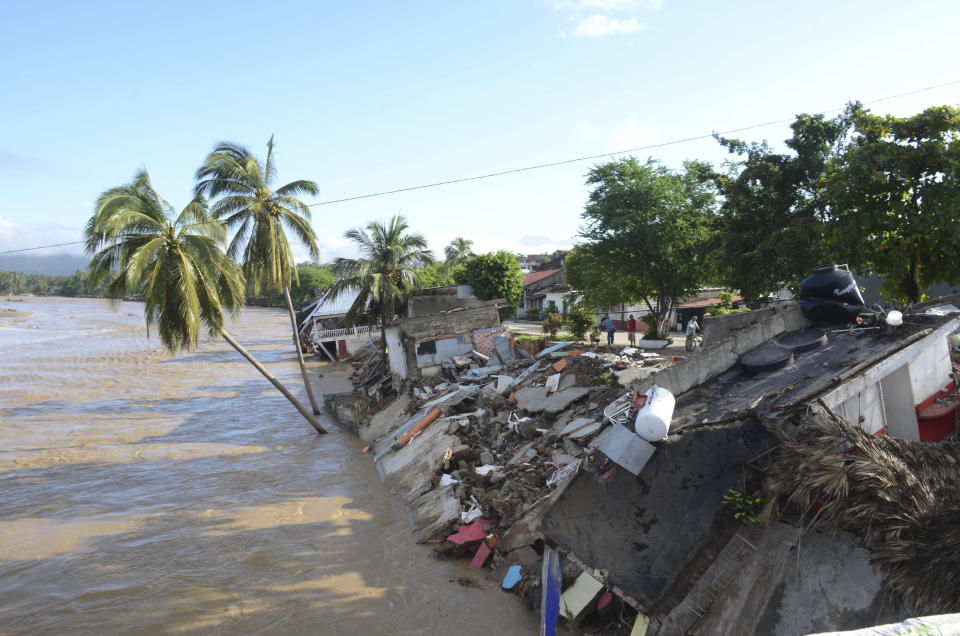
x=607, y=324
x=632, y=331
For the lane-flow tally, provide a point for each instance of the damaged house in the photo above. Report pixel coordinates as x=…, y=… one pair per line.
x=533, y=469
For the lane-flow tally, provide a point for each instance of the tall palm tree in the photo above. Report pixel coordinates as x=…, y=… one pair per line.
x=140, y=246
x=243, y=197
x=386, y=271
x=459, y=250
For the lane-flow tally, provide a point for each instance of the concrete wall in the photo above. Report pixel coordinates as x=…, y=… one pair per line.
x=438, y=299
x=898, y=383
x=719, y=328
x=404, y=336
x=719, y=356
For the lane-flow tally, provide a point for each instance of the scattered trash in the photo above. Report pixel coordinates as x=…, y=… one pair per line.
x=512, y=577
x=563, y=473
x=481, y=556
x=475, y=531
x=551, y=580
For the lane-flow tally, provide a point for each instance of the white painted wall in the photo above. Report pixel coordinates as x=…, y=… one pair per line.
x=930, y=370
x=396, y=354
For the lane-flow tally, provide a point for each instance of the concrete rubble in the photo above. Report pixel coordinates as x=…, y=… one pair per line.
x=502, y=458
x=503, y=446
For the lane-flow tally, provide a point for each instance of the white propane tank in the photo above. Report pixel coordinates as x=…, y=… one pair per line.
x=653, y=418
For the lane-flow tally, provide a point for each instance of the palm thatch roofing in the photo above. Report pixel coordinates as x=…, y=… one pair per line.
x=901, y=497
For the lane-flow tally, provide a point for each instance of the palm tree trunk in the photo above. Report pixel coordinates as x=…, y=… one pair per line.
x=246, y=354
x=296, y=341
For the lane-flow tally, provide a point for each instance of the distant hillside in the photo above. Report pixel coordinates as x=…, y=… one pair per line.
x=48, y=265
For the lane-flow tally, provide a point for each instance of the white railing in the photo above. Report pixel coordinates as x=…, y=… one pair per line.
x=337, y=334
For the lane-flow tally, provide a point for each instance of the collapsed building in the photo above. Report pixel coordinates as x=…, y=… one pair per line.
x=530, y=466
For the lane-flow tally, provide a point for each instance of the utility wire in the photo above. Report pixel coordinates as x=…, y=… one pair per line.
x=563, y=162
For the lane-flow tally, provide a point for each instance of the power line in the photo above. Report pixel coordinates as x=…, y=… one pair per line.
x=28, y=249
x=552, y=164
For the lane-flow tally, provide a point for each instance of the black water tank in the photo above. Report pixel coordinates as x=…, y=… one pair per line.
x=830, y=294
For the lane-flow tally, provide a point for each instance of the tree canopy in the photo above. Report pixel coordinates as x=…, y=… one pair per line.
x=387, y=270
x=493, y=275
x=895, y=194
x=645, y=236
x=770, y=230
x=141, y=247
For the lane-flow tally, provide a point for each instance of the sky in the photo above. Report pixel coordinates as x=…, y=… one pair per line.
x=366, y=97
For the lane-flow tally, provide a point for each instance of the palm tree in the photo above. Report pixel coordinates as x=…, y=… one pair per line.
x=458, y=250
x=140, y=246
x=240, y=187
x=386, y=271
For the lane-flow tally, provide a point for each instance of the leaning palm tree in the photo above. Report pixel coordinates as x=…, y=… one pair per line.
x=386, y=271
x=243, y=196
x=140, y=246
x=459, y=250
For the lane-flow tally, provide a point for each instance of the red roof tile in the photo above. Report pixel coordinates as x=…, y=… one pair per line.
x=533, y=277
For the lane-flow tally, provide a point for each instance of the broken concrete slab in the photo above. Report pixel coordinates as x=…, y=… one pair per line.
x=535, y=399
x=625, y=448
x=386, y=420
x=567, y=381
x=407, y=471
x=581, y=428
x=630, y=374
x=431, y=513
x=626, y=526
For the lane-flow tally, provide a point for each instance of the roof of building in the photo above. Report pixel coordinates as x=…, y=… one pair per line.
x=705, y=302
x=533, y=277
x=327, y=306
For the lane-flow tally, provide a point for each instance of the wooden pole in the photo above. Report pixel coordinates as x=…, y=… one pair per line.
x=296, y=341
x=246, y=354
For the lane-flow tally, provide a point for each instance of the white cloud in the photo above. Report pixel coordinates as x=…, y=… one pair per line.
x=599, y=25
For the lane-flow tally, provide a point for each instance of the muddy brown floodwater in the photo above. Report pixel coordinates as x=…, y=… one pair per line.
x=145, y=493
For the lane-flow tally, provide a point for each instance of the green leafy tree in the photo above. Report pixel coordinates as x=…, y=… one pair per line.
x=386, y=272
x=260, y=214
x=494, y=275
x=646, y=233
x=895, y=190
x=458, y=251
x=141, y=247
x=435, y=275
x=770, y=231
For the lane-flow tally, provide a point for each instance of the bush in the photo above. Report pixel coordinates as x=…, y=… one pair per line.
x=533, y=313
x=579, y=323
x=651, y=322
x=551, y=324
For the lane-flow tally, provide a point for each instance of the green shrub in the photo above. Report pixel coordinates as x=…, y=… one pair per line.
x=651, y=322
x=579, y=322
x=745, y=507
x=551, y=324
x=533, y=313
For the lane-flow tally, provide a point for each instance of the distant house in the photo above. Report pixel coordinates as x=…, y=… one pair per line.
x=544, y=291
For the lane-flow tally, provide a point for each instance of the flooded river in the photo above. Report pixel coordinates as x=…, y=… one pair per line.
x=142, y=492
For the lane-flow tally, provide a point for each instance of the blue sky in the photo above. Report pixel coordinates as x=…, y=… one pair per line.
x=367, y=97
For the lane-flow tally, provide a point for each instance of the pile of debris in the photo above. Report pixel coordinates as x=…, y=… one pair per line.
x=478, y=454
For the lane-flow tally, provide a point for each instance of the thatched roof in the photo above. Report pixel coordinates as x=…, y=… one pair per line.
x=901, y=497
